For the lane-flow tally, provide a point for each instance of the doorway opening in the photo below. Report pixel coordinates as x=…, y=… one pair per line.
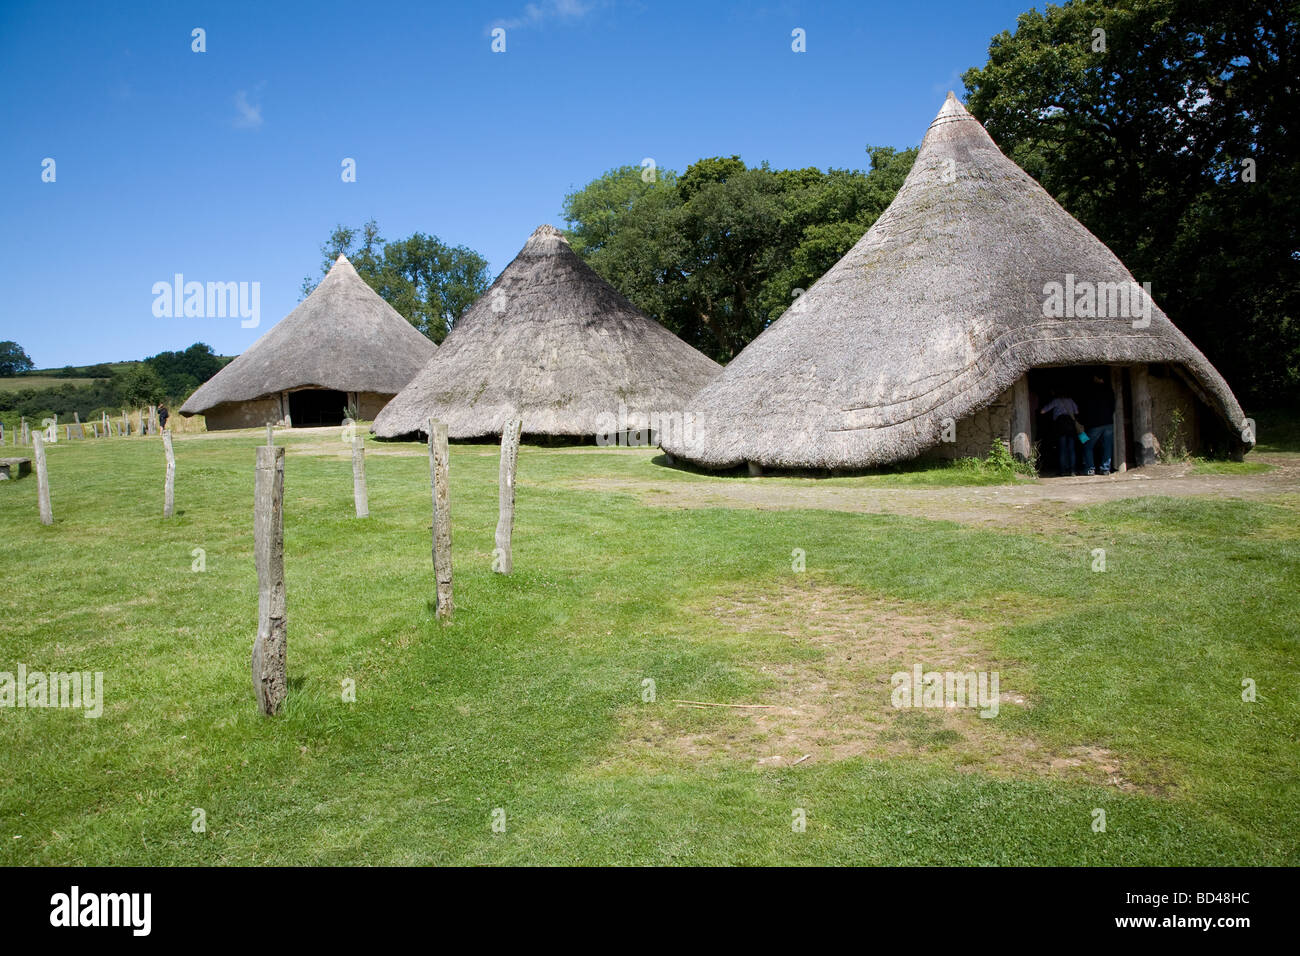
x=317, y=406
x=1079, y=384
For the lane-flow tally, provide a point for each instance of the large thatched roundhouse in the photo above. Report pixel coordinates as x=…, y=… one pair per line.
x=947, y=324
x=555, y=343
x=343, y=347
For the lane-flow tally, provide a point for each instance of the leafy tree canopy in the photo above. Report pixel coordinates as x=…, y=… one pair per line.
x=180, y=373
x=428, y=282
x=13, y=359
x=719, y=252
x=140, y=385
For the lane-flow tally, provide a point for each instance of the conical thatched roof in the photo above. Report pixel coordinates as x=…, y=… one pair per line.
x=552, y=339
x=931, y=315
x=343, y=336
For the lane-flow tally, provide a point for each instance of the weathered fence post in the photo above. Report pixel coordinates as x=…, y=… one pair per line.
x=42, y=479
x=1145, y=443
x=270, y=436
x=270, y=679
x=1021, y=420
x=438, y=462
x=169, y=491
x=359, y=496
x=503, y=560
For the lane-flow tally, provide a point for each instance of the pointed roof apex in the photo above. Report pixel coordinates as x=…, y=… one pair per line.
x=342, y=262
x=951, y=111
x=546, y=239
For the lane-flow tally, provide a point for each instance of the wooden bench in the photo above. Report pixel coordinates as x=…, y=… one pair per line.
x=14, y=468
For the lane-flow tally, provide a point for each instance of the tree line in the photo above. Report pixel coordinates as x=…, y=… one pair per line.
x=168, y=377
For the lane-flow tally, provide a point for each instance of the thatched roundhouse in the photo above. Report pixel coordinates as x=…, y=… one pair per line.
x=944, y=327
x=343, y=347
x=555, y=343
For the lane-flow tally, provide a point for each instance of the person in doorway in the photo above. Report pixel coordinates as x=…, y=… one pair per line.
x=1098, y=416
x=1063, y=412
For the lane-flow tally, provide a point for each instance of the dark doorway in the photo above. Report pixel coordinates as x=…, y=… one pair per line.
x=1074, y=382
x=317, y=406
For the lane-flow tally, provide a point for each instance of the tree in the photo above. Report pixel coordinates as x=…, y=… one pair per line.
x=717, y=253
x=140, y=385
x=182, y=372
x=1168, y=134
x=428, y=282
x=13, y=359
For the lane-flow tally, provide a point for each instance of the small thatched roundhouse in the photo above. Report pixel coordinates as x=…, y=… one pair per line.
x=343, y=347
x=553, y=342
x=947, y=325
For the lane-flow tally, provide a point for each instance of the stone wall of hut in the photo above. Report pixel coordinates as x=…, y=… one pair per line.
x=250, y=414
x=975, y=433
x=371, y=404
x=1172, y=399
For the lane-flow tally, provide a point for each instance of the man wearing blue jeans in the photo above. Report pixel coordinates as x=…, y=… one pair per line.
x=1098, y=415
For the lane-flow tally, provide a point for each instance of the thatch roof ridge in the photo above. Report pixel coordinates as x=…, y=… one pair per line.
x=932, y=315
x=553, y=340
x=343, y=336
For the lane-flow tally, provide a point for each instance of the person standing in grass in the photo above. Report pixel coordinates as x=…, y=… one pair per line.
x=1099, y=419
x=1064, y=411
x=163, y=415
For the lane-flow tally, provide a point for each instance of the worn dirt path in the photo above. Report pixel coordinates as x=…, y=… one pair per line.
x=1036, y=504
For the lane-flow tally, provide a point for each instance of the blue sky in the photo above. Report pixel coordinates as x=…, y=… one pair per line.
x=225, y=165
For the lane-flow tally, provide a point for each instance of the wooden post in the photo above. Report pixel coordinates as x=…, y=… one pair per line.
x=1021, y=419
x=126, y=424
x=755, y=469
x=169, y=491
x=270, y=436
x=1119, y=460
x=1143, y=430
x=359, y=496
x=42, y=479
x=503, y=560
x=270, y=679
x=438, y=467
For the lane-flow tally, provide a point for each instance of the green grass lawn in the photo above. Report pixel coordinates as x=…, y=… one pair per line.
x=531, y=699
x=18, y=382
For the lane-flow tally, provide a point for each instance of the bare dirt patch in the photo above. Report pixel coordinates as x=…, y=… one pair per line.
x=829, y=694
x=1027, y=505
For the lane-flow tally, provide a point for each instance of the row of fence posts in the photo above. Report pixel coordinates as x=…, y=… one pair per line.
x=269, y=648
x=146, y=423
x=270, y=658
x=43, y=476
x=149, y=425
